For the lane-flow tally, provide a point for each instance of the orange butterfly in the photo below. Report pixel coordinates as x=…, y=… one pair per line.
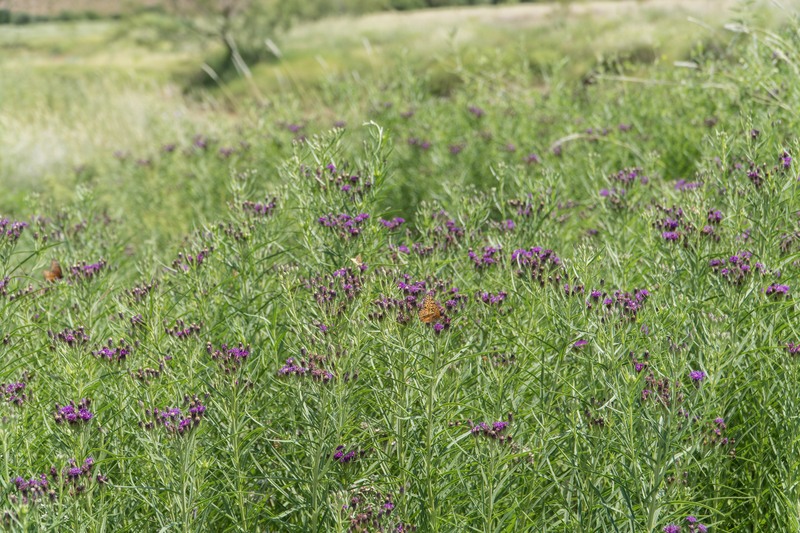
x=430, y=311
x=54, y=273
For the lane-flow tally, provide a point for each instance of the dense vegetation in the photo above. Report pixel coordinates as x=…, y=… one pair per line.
x=606, y=269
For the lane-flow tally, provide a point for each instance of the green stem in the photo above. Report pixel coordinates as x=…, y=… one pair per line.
x=429, y=442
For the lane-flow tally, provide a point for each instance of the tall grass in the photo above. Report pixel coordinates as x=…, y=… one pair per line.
x=238, y=327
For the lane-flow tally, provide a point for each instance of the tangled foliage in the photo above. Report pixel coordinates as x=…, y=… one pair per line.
x=603, y=351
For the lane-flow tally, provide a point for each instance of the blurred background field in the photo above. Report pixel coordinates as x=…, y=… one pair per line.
x=90, y=93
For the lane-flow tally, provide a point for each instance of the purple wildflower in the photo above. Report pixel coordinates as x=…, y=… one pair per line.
x=477, y=111
x=786, y=160
x=697, y=376
x=393, y=224
x=776, y=290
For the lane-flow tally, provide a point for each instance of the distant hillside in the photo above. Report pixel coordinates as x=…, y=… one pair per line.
x=54, y=7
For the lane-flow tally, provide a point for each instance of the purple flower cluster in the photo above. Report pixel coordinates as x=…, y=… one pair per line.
x=419, y=288
x=791, y=348
x=184, y=261
x=14, y=393
x=341, y=455
x=331, y=178
x=659, y=391
x=344, y=226
x=181, y=331
x=529, y=207
x=638, y=366
x=574, y=290
x=612, y=193
x=503, y=226
x=173, y=419
x=139, y=292
x=313, y=368
x=144, y=375
x=477, y=111
x=201, y=141
x=230, y=360
x=695, y=526
x=84, y=272
x=261, y=210
x=682, y=185
x=626, y=304
x=592, y=419
x=736, y=268
x=490, y=299
x=490, y=256
x=74, y=414
x=370, y=509
x=113, y=353
x=697, y=376
x=629, y=176
x=333, y=291
x=423, y=145
x=531, y=158
x=673, y=223
x=71, y=338
x=714, y=434
x=32, y=489
x=757, y=174
x=539, y=263
x=74, y=477
x=11, y=231
x=445, y=234
x=785, y=160
x=777, y=291
x=790, y=243
x=494, y=431
x=137, y=322
x=393, y=224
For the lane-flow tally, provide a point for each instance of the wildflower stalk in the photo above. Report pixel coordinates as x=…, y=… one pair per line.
x=5, y=451
x=430, y=470
x=187, y=459
x=236, y=420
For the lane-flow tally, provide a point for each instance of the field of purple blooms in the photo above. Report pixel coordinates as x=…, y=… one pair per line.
x=611, y=346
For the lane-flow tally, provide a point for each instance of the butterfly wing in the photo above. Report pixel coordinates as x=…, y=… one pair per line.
x=357, y=260
x=54, y=273
x=430, y=310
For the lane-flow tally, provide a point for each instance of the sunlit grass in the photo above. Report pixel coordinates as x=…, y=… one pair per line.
x=614, y=263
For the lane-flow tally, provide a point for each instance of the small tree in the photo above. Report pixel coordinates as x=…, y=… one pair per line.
x=240, y=26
